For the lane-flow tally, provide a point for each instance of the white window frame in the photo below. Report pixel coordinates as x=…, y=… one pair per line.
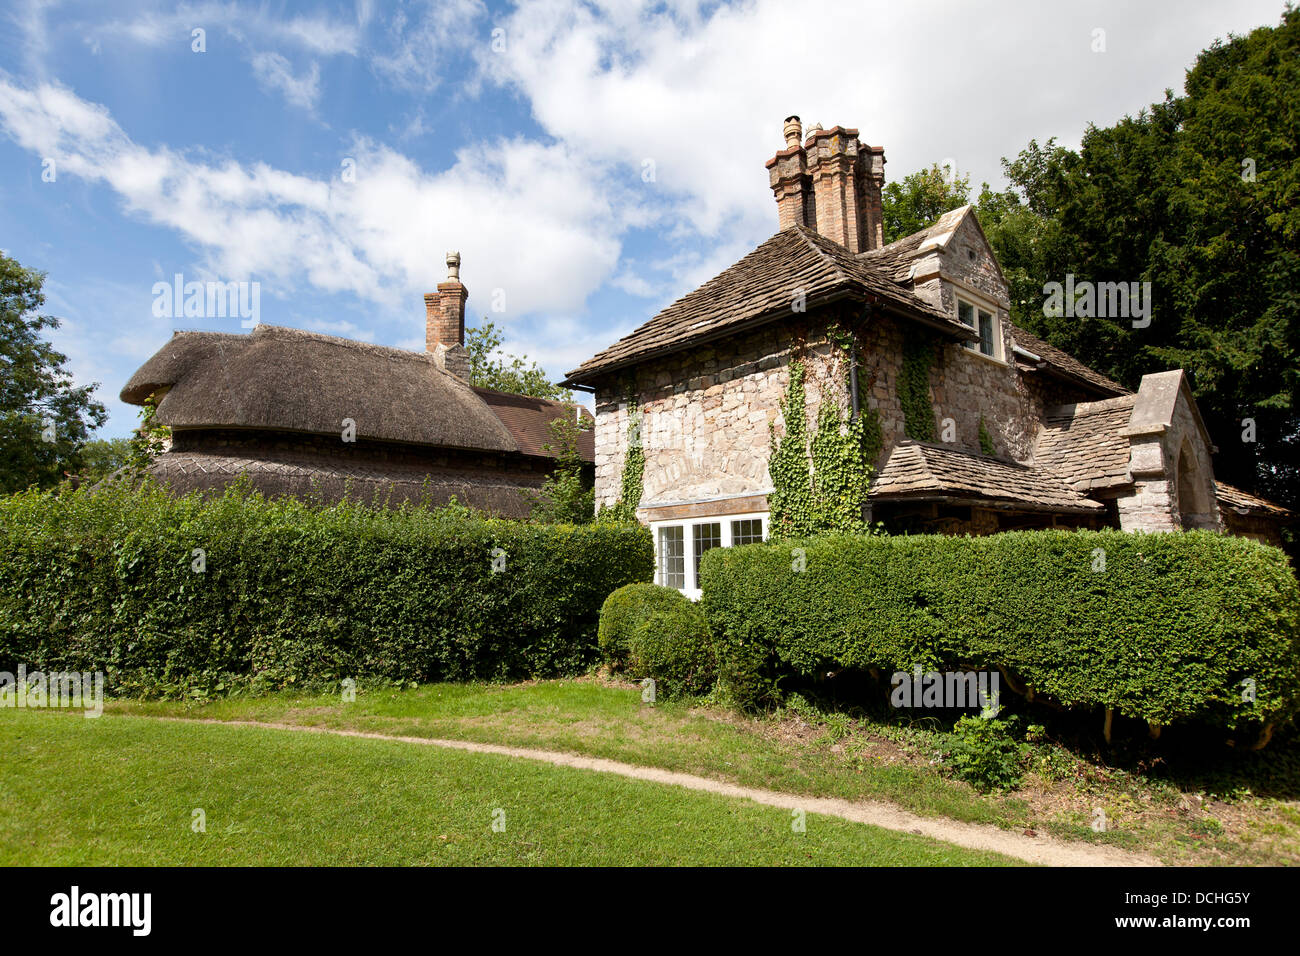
x=980, y=304
x=688, y=542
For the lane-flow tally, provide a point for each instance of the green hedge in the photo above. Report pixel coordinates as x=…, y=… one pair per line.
x=293, y=594
x=672, y=645
x=1166, y=633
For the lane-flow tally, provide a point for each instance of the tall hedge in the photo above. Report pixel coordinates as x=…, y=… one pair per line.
x=1162, y=627
x=290, y=594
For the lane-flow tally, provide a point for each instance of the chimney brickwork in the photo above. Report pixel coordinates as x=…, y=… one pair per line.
x=444, y=321
x=831, y=183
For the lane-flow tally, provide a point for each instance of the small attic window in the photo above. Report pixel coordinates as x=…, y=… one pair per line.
x=985, y=323
x=970, y=254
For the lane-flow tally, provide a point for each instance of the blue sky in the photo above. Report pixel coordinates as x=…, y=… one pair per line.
x=590, y=161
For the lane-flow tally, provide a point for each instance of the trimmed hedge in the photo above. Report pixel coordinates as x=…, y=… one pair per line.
x=293, y=594
x=1167, y=632
x=624, y=610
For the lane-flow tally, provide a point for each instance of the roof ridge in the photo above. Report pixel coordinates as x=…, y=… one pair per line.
x=806, y=234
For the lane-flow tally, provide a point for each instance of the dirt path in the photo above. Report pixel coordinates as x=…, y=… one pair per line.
x=1044, y=850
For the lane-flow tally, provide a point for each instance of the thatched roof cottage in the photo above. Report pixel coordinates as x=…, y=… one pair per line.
x=305, y=414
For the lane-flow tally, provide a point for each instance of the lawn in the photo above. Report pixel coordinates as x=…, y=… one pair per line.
x=1185, y=823
x=123, y=790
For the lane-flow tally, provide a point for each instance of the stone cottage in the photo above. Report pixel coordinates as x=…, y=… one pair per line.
x=978, y=426
x=317, y=416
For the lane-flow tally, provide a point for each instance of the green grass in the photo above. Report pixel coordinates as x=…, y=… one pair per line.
x=121, y=790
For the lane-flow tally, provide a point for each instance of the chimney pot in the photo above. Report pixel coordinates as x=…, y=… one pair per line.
x=453, y=267
x=793, y=132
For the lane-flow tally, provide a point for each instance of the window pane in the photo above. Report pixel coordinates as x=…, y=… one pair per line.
x=966, y=313
x=706, y=536
x=747, y=531
x=672, y=557
x=986, y=334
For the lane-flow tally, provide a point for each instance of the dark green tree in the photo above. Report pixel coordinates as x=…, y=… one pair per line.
x=913, y=202
x=44, y=417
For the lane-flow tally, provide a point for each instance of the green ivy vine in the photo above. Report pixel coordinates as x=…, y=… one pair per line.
x=986, y=440
x=633, y=483
x=820, y=482
x=914, y=388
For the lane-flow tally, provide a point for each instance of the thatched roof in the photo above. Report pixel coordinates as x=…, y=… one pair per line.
x=290, y=380
x=329, y=479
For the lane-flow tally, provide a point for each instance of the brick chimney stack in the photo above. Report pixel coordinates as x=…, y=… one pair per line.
x=444, y=321
x=831, y=183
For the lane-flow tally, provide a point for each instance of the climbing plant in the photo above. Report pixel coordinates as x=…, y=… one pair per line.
x=914, y=388
x=791, y=498
x=633, y=484
x=986, y=440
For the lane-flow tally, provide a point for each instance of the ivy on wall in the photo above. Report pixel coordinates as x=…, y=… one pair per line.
x=633, y=484
x=820, y=481
x=914, y=388
x=986, y=440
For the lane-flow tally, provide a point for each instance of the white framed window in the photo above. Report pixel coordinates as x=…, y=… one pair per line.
x=680, y=544
x=984, y=320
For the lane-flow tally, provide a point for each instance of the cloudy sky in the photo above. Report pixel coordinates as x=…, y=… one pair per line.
x=590, y=161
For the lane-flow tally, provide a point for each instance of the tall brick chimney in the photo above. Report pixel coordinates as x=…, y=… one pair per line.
x=444, y=321
x=830, y=183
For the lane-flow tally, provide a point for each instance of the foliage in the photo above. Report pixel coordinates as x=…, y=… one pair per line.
x=148, y=440
x=790, y=502
x=910, y=204
x=671, y=645
x=914, y=387
x=566, y=496
x=624, y=610
x=1168, y=632
x=489, y=368
x=101, y=457
x=1196, y=195
x=176, y=596
x=633, y=483
x=986, y=754
x=986, y=440
x=44, y=418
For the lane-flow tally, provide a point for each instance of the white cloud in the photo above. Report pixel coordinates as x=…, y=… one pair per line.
x=421, y=42
x=274, y=72
x=533, y=232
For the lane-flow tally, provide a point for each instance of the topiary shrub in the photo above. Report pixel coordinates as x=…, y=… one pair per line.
x=623, y=611
x=671, y=645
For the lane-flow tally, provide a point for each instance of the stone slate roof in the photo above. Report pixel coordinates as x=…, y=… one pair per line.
x=1063, y=364
x=1244, y=503
x=922, y=471
x=1082, y=443
x=276, y=473
x=290, y=380
x=761, y=287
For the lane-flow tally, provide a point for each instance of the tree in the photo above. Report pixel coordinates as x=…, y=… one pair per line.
x=566, y=496
x=489, y=368
x=1196, y=195
x=913, y=202
x=101, y=457
x=44, y=418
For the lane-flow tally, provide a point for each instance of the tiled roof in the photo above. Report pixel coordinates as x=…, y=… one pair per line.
x=1245, y=503
x=528, y=420
x=918, y=470
x=762, y=286
x=1064, y=364
x=1081, y=444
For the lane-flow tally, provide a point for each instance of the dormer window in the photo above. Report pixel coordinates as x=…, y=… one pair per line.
x=985, y=323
